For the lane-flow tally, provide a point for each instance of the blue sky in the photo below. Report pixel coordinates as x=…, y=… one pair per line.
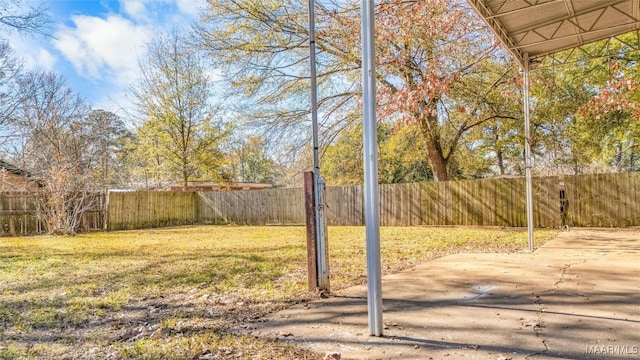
x=96, y=44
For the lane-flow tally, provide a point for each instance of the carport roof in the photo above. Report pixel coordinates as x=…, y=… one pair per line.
x=543, y=27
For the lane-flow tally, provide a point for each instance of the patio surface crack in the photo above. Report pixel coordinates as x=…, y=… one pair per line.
x=541, y=309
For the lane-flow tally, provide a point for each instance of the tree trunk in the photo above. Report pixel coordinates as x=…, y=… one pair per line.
x=185, y=180
x=439, y=163
x=500, y=161
x=619, y=165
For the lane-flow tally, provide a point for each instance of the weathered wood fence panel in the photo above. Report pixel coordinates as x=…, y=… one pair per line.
x=19, y=213
x=95, y=217
x=546, y=202
x=590, y=200
x=483, y=202
x=603, y=200
x=136, y=210
x=215, y=208
x=256, y=207
x=345, y=205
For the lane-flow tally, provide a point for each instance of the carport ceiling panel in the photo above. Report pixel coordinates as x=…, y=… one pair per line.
x=542, y=27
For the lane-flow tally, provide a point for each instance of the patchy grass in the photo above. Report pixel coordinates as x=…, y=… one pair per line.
x=172, y=293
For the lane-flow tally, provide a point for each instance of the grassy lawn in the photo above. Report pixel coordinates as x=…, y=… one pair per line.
x=172, y=293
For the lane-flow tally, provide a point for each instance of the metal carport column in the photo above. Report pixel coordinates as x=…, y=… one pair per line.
x=505, y=19
x=532, y=29
x=527, y=149
x=371, y=196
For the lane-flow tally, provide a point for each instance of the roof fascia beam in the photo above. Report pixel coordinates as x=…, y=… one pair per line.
x=496, y=27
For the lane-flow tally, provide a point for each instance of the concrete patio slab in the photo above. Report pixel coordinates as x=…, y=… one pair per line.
x=577, y=297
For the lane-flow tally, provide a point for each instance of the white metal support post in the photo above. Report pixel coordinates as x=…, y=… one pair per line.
x=321, y=253
x=527, y=150
x=372, y=203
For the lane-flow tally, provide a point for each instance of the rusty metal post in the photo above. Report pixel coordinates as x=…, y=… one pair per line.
x=312, y=242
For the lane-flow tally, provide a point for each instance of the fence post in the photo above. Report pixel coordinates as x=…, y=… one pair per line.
x=312, y=241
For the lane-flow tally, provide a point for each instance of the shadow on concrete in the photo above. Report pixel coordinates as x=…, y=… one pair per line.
x=578, y=297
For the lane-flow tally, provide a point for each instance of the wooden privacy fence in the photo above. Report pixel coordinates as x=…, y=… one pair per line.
x=19, y=213
x=609, y=200
x=499, y=202
x=254, y=207
x=137, y=210
x=603, y=200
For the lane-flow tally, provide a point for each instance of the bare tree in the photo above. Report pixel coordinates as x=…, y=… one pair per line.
x=57, y=148
x=18, y=15
x=10, y=68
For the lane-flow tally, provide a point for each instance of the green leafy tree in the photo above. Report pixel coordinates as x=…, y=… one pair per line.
x=342, y=160
x=150, y=168
x=495, y=146
x=180, y=135
x=558, y=92
x=398, y=160
x=250, y=161
x=109, y=146
x=609, y=123
x=586, y=111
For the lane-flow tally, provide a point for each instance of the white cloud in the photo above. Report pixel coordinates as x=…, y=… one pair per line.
x=191, y=7
x=117, y=101
x=46, y=59
x=100, y=53
x=149, y=10
x=137, y=9
x=35, y=57
x=103, y=48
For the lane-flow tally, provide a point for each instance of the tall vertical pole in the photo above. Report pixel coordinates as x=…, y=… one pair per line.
x=372, y=203
x=527, y=151
x=321, y=253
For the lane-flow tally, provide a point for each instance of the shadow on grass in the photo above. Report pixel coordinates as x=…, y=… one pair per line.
x=123, y=297
x=190, y=269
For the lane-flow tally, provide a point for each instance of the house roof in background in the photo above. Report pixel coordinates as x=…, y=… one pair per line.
x=20, y=172
x=544, y=27
x=210, y=186
x=12, y=168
